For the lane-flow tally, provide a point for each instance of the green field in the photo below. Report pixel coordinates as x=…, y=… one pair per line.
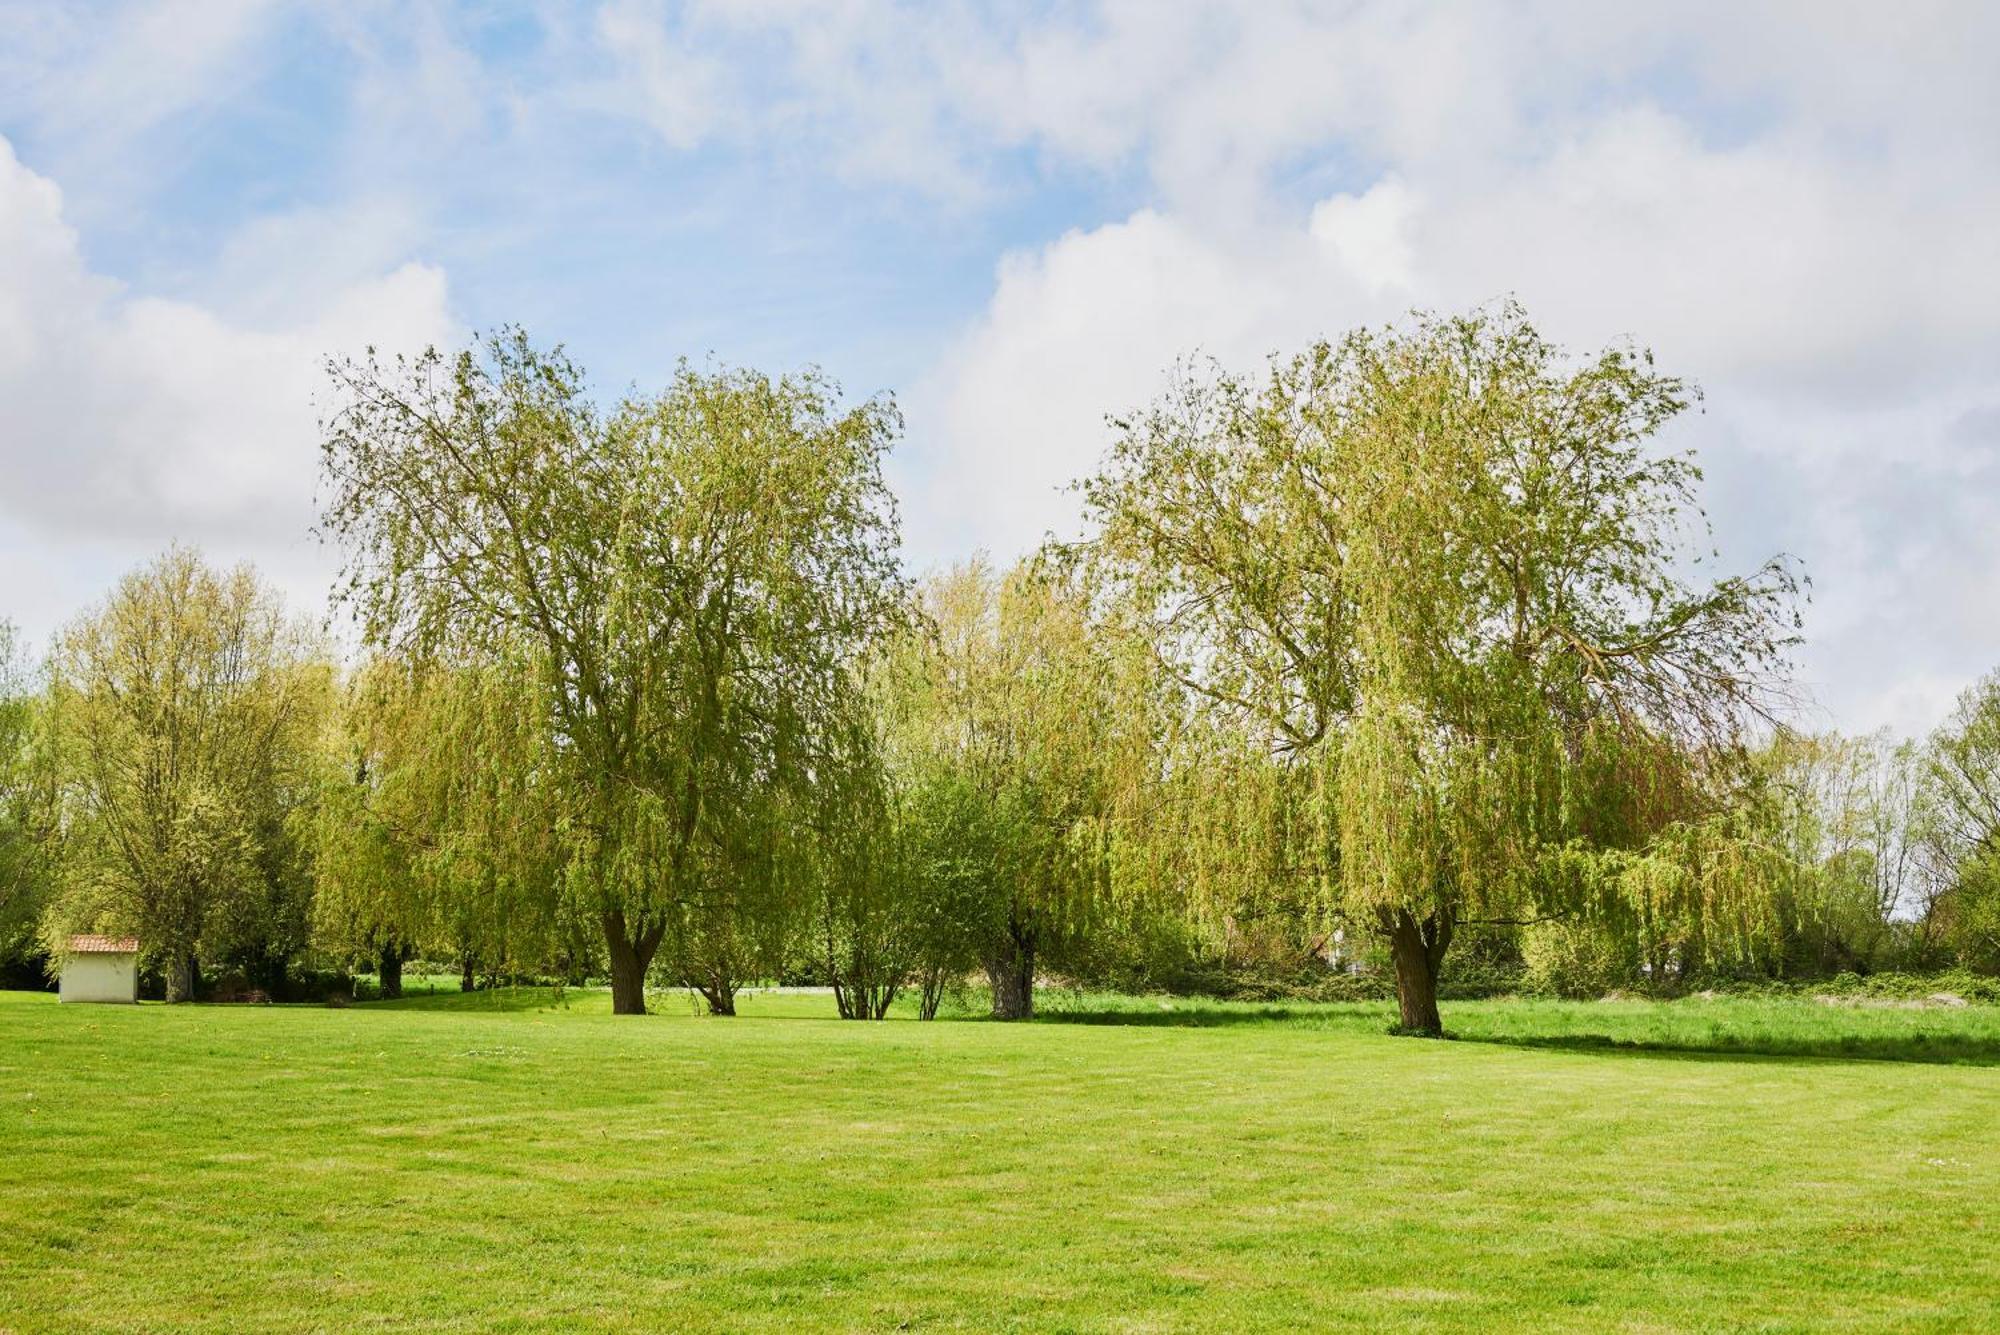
x=493, y=1163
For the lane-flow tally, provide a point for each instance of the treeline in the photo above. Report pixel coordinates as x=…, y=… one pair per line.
x=1391, y=648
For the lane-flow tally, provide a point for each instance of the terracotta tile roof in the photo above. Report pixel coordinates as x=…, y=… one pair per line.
x=104, y=945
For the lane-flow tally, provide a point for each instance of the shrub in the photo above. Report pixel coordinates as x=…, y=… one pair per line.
x=1579, y=960
x=1912, y=986
x=1475, y=979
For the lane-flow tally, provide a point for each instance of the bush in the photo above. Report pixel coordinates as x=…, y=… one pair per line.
x=1577, y=960
x=1476, y=978
x=1911, y=986
x=1308, y=980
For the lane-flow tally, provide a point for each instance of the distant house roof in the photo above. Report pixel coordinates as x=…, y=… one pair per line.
x=104, y=945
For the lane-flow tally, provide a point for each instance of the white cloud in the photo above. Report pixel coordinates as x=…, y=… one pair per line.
x=1793, y=203
x=133, y=421
x=1091, y=325
x=97, y=79
x=1370, y=234
x=1830, y=274
x=1774, y=262
x=1210, y=96
x=660, y=77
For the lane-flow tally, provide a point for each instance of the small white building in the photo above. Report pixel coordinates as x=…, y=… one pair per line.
x=101, y=968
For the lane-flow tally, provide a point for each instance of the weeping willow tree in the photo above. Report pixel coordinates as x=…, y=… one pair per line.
x=1444, y=569
x=1016, y=739
x=1960, y=821
x=1225, y=846
x=690, y=576
x=25, y=808
x=439, y=827
x=848, y=857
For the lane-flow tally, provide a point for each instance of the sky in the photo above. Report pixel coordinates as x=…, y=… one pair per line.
x=1016, y=219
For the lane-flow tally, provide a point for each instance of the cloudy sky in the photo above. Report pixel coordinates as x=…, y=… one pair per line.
x=1015, y=218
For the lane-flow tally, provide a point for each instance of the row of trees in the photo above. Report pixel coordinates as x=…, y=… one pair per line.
x=1400, y=640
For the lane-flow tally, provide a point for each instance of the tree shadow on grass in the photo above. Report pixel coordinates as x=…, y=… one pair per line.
x=1197, y=1017
x=1926, y=1048
x=485, y=1000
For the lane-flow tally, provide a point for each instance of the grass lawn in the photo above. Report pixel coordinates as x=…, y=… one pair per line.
x=492, y=1163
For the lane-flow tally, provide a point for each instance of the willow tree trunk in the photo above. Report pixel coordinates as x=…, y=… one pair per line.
x=179, y=970
x=857, y=1001
x=1011, y=971
x=391, y=972
x=1417, y=947
x=720, y=995
x=932, y=994
x=631, y=955
x=466, y=981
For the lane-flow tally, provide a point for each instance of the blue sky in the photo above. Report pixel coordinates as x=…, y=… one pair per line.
x=1015, y=218
x=515, y=163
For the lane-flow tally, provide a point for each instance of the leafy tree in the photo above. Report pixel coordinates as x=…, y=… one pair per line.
x=690, y=577
x=1443, y=566
x=1961, y=822
x=947, y=852
x=866, y=908
x=1017, y=732
x=23, y=803
x=439, y=825
x=369, y=906
x=1842, y=811
x=182, y=714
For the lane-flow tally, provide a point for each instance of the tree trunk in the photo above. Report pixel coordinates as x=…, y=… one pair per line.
x=860, y=993
x=466, y=981
x=718, y=990
x=631, y=955
x=390, y=974
x=179, y=976
x=1012, y=974
x=932, y=994
x=276, y=977
x=1417, y=947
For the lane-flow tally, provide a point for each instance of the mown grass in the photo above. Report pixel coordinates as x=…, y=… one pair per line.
x=519, y=1161
x=1695, y=1026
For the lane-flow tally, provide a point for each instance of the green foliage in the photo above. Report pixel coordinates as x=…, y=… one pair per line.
x=1404, y=641
x=438, y=830
x=1961, y=821
x=1581, y=959
x=690, y=578
x=1960, y=983
x=948, y=841
x=1442, y=568
x=1976, y=912
x=24, y=805
x=1015, y=738
x=182, y=717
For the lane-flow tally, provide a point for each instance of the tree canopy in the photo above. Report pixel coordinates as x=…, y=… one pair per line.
x=1412, y=639
x=1447, y=565
x=690, y=577
x=183, y=714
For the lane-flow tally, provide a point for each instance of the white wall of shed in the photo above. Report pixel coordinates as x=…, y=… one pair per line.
x=100, y=977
